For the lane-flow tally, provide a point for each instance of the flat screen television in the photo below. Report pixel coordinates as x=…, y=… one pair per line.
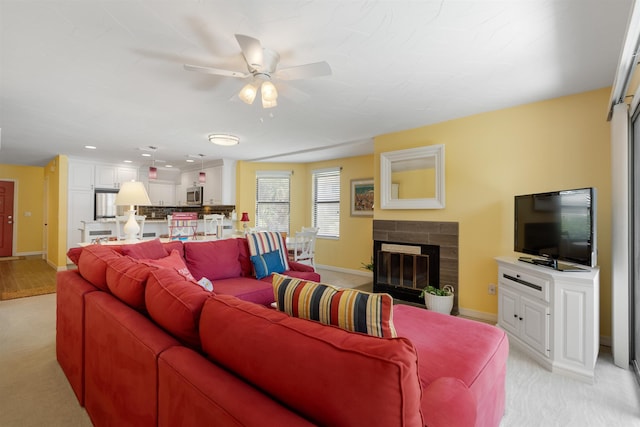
x=557, y=226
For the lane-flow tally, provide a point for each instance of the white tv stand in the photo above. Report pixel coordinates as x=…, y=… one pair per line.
x=552, y=315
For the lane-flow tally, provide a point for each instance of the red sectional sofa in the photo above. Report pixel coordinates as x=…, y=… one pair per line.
x=142, y=344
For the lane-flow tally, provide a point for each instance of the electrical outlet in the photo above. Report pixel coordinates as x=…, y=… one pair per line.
x=492, y=289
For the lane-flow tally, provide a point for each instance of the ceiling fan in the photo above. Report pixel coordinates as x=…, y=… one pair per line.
x=262, y=66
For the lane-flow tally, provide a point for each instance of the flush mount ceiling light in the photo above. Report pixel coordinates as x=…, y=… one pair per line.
x=223, y=139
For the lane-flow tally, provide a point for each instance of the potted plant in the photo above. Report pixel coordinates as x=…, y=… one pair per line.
x=368, y=266
x=438, y=299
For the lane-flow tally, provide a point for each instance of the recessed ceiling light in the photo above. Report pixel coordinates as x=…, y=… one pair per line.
x=190, y=160
x=168, y=166
x=223, y=139
x=127, y=161
x=90, y=147
x=146, y=155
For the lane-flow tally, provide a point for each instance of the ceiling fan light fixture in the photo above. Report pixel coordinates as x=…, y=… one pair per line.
x=223, y=139
x=248, y=93
x=269, y=104
x=269, y=92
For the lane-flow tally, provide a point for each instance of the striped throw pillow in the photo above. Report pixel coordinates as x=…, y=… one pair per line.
x=348, y=309
x=263, y=242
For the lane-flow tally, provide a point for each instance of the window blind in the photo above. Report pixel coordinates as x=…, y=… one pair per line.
x=272, y=200
x=326, y=202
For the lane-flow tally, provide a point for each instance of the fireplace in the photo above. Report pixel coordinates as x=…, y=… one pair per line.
x=409, y=255
x=403, y=269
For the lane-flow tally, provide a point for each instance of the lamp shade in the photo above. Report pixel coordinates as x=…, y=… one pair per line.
x=245, y=217
x=132, y=193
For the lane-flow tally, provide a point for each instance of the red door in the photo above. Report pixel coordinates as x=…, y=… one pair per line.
x=6, y=218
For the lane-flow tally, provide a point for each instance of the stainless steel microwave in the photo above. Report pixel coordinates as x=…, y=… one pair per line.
x=194, y=196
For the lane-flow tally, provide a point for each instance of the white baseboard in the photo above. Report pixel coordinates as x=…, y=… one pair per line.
x=29, y=253
x=480, y=315
x=605, y=341
x=346, y=270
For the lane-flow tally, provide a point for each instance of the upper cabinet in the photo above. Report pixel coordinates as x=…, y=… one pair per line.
x=81, y=175
x=219, y=186
x=110, y=176
x=212, y=192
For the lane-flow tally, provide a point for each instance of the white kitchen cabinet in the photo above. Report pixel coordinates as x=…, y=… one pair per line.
x=80, y=209
x=553, y=315
x=110, y=176
x=81, y=175
x=162, y=193
x=220, y=187
x=212, y=189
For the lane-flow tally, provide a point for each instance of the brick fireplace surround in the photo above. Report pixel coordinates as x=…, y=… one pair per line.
x=442, y=234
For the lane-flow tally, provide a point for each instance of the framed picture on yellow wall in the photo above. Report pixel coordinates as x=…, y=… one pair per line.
x=362, y=197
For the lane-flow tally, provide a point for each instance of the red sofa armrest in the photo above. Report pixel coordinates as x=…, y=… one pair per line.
x=448, y=402
x=298, y=266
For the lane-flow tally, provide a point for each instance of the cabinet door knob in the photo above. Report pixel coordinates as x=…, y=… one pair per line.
x=520, y=318
x=515, y=315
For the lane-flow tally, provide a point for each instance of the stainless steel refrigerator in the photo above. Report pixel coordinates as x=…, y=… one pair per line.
x=105, y=205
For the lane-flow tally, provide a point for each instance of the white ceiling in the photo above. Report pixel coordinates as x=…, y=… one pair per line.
x=110, y=73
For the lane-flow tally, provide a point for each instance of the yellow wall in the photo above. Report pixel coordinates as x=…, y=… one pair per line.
x=29, y=198
x=552, y=145
x=355, y=244
x=246, y=191
x=56, y=183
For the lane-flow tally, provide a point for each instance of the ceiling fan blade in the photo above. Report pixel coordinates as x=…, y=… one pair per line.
x=216, y=71
x=306, y=71
x=252, y=51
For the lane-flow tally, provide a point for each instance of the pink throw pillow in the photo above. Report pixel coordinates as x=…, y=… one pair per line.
x=148, y=249
x=214, y=259
x=173, y=261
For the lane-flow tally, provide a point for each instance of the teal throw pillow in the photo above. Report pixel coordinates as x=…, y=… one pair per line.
x=267, y=263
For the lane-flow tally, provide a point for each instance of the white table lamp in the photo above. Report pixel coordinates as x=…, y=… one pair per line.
x=132, y=193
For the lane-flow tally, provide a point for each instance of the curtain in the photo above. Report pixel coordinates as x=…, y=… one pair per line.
x=620, y=232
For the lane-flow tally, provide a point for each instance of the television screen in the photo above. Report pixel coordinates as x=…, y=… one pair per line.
x=559, y=225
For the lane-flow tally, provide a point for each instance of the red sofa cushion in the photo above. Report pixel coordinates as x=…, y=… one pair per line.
x=217, y=259
x=247, y=289
x=175, y=303
x=127, y=279
x=244, y=257
x=148, y=249
x=319, y=370
x=92, y=264
x=476, y=354
x=348, y=309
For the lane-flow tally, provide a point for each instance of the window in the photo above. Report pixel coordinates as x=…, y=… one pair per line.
x=326, y=202
x=272, y=200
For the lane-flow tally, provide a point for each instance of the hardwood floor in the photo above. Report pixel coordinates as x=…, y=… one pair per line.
x=26, y=276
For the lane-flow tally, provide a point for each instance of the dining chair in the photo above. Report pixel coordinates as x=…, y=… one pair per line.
x=121, y=220
x=183, y=225
x=303, y=247
x=211, y=224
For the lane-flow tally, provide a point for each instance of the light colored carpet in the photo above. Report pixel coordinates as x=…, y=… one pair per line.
x=34, y=391
x=537, y=397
